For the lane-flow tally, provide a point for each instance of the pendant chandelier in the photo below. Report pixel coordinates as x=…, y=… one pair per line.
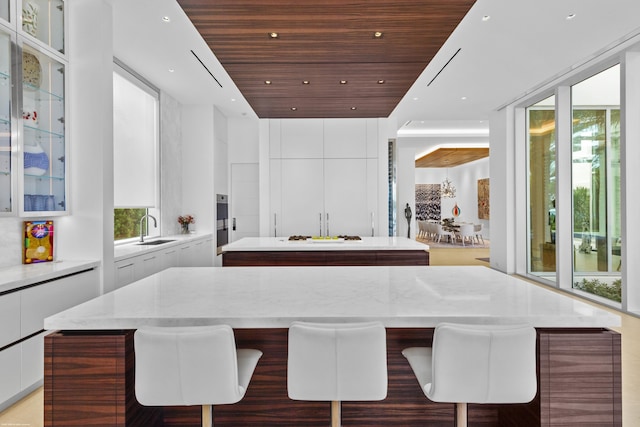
x=448, y=190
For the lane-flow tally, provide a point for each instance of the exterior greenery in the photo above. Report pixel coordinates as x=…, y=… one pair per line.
x=612, y=291
x=126, y=223
x=581, y=203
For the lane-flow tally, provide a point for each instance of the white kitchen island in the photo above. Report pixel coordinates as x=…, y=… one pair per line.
x=363, y=251
x=579, y=357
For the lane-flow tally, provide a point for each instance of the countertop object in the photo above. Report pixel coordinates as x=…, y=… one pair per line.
x=273, y=297
x=284, y=244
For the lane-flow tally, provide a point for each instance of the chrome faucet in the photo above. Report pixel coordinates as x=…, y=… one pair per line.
x=155, y=224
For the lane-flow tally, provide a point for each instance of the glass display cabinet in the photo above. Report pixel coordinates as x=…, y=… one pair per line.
x=44, y=20
x=4, y=10
x=7, y=144
x=43, y=144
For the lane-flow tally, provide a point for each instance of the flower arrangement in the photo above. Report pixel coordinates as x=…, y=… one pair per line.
x=186, y=220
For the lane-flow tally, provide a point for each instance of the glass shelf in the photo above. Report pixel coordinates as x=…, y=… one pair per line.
x=44, y=141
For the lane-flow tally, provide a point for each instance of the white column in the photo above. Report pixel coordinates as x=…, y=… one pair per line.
x=630, y=176
x=564, y=193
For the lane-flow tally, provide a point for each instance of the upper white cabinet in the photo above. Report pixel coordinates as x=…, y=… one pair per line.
x=323, y=177
x=33, y=110
x=44, y=155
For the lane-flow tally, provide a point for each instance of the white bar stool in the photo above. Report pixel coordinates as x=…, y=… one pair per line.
x=196, y=365
x=337, y=362
x=477, y=364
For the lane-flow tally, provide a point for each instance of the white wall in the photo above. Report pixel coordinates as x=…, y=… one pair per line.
x=465, y=179
x=406, y=190
x=170, y=164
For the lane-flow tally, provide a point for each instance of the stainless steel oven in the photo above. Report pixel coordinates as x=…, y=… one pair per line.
x=222, y=220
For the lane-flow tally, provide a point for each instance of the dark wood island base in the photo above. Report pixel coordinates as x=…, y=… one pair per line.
x=324, y=258
x=89, y=381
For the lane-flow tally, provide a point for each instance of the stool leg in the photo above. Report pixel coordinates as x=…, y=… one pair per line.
x=335, y=414
x=207, y=416
x=461, y=414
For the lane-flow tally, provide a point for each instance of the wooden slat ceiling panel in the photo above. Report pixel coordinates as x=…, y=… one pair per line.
x=321, y=41
x=450, y=157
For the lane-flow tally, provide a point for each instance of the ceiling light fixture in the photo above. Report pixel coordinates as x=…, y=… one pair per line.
x=485, y=18
x=274, y=35
x=448, y=191
x=294, y=108
x=377, y=35
x=571, y=16
x=464, y=98
x=343, y=82
x=380, y=82
x=305, y=82
x=267, y=82
x=166, y=19
x=415, y=99
x=354, y=108
x=171, y=70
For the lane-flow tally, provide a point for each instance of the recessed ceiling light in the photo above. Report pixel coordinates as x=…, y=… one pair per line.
x=380, y=82
x=274, y=35
x=267, y=82
x=233, y=100
x=463, y=98
x=571, y=16
x=166, y=19
x=305, y=82
x=416, y=98
x=354, y=108
x=343, y=82
x=485, y=18
x=171, y=70
x=378, y=35
x=294, y=108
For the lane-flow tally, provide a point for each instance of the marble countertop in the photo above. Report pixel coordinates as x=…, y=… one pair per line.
x=284, y=244
x=129, y=250
x=273, y=297
x=24, y=275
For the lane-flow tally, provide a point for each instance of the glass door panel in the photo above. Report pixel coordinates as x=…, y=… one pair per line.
x=541, y=119
x=596, y=184
x=6, y=143
x=44, y=20
x=4, y=9
x=43, y=119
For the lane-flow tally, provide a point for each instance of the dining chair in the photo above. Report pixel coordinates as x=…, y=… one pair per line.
x=440, y=231
x=465, y=233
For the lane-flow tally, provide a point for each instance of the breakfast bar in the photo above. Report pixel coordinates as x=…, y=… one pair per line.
x=321, y=251
x=89, y=361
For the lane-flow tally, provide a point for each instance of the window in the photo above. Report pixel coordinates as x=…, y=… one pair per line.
x=541, y=119
x=136, y=146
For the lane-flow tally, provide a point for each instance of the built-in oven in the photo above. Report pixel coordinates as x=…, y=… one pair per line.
x=222, y=221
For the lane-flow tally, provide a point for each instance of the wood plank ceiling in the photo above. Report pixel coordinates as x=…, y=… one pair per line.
x=324, y=43
x=451, y=157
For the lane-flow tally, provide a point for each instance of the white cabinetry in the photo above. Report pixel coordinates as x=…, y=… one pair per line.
x=323, y=177
x=197, y=252
x=22, y=314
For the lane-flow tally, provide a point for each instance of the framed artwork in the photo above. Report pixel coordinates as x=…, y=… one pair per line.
x=483, y=198
x=427, y=202
x=38, y=242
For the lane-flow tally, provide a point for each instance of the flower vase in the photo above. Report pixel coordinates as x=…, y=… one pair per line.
x=185, y=228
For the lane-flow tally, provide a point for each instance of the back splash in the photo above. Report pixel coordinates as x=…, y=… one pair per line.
x=10, y=242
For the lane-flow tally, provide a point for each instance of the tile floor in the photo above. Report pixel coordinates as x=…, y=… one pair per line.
x=29, y=411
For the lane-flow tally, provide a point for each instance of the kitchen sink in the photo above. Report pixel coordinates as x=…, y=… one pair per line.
x=156, y=242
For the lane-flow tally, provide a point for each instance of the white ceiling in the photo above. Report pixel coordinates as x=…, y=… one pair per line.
x=523, y=44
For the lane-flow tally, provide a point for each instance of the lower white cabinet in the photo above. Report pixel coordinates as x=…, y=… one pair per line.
x=22, y=314
x=193, y=253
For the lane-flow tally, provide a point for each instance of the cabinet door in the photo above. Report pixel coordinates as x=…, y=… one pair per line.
x=185, y=255
x=302, y=197
x=245, y=195
x=32, y=360
x=301, y=139
x=44, y=20
x=9, y=318
x=171, y=258
x=147, y=265
x=50, y=298
x=345, y=194
x=345, y=138
x=9, y=372
x=43, y=159
x=125, y=272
